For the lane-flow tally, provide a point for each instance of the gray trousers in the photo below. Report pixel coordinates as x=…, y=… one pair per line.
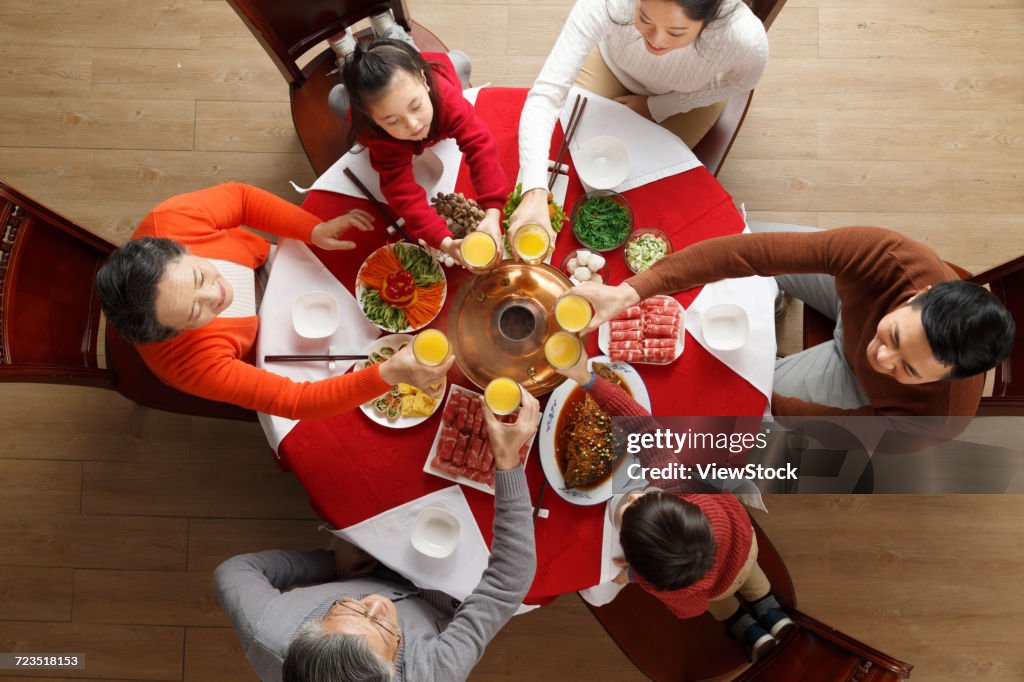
x=819, y=374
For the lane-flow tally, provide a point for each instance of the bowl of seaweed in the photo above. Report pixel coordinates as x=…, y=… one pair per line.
x=602, y=220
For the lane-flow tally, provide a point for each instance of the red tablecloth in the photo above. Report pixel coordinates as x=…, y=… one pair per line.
x=354, y=469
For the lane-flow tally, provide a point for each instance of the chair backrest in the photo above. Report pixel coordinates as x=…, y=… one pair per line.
x=1006, y=282
x=664, y=647
x=716, y=143
x=287, y=30
x=50, y=313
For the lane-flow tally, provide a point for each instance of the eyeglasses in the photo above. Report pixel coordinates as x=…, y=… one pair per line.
x=384, y=625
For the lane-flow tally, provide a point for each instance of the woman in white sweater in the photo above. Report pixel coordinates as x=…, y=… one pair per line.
x=672, y=61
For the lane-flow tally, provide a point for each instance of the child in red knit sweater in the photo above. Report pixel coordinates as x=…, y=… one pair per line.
x=401, y=104
x=692, y=552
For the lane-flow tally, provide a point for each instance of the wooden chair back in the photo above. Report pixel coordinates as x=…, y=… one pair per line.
x=50, y=313
x=664, y=647
x=716, y=143
x=288, y=30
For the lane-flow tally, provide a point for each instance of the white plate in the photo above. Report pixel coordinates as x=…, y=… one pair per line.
x=604, y=335
x=725, y=326
x=602, y=162
x=360, y=288
x=464, y=480
x=315, y=315
x=394, y=340
x=549, y=422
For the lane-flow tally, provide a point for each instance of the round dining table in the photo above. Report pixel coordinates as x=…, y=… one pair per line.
x=354, y=469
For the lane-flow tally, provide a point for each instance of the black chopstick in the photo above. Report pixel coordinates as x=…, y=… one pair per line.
x=540, y=497
x=570, y=130
x=385, y=211
x=557, y=170
x=301, y=358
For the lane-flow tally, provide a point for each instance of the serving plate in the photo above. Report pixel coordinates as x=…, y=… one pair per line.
x=393, y=341
x=604, y=335
x=603, y=491
x=360, y=287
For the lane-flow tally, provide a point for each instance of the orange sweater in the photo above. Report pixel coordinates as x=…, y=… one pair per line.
x=211, y=361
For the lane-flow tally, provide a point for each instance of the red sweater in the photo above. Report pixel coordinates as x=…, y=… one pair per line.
x=454, y=117
x=729, y=524
x=212, y=361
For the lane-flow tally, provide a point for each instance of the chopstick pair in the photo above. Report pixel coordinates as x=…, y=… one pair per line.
x=385, y=211
x=301, y=358
x=570, y=130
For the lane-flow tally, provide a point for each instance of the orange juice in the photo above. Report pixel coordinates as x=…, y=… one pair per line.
x=478, y=250
x=532, y=243
x=573, y=312
x=503, y=396
x=430, y=347
x=563, y=350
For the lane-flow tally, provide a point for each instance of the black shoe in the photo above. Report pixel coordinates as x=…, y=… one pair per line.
x=771, y=616
x=755, y=639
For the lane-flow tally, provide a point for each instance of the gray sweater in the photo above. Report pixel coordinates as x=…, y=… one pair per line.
x=437, y=643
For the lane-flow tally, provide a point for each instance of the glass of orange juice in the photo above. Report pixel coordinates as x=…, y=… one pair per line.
x=478, y=250
x=531, y=243
x=430, y=347
x=563, y=350
x=503, y=395
x=573, y=312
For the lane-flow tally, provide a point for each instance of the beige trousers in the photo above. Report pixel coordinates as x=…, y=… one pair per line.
x=751, y=582
x=690, y=127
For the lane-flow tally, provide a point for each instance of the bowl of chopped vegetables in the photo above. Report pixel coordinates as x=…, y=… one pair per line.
x=602, y=220
x=645, y=247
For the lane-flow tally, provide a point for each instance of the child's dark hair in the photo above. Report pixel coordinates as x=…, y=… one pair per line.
x=667, y=541
x=368, y=74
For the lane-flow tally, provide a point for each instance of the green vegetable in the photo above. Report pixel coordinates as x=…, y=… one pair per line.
x=379, y=312
x=602, y=223
x=425, y=270
x=644, y=251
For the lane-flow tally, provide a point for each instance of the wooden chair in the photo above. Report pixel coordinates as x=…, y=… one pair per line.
x=716, y=143
x=50, y=314
x=289, y=30
x=667, y=649
x=1006, y=282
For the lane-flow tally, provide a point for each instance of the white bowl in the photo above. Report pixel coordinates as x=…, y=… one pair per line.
x=725, y=326
x=315, y=315
x=436, y=532
x=602, y=162
x=427, y=168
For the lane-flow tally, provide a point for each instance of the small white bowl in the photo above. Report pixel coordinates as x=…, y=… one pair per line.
x=315, y=315
x=436, y=532
x=725, y=326
x=602, y=162
x=427, y=168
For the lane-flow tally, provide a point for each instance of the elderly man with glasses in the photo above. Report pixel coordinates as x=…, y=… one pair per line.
x=336, y=625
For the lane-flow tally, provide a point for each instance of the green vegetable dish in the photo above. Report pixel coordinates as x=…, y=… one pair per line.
x=555, y=212
x=602, y=223
x=643, y=251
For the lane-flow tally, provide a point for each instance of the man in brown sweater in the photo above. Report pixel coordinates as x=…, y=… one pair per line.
x=911, y=339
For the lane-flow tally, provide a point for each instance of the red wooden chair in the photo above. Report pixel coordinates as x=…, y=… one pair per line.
x=716, y=143
x=50, y=314
x=289, y=30
x=1006, y=282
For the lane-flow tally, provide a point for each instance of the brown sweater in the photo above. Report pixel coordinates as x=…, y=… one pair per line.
x=876, y=271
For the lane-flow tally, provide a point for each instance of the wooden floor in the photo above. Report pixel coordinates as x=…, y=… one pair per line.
x=908, y=115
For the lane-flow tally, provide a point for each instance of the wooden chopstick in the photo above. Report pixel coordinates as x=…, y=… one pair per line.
x=540, y=497
x=565, y=142
x=557, y=170
x=385, y=211
x=301, y=358
x=573, y=125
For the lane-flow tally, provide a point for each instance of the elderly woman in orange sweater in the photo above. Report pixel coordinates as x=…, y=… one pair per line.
x=183, y=290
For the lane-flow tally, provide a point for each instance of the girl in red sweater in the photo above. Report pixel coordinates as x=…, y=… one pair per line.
x=693, y=552
x=401, y=104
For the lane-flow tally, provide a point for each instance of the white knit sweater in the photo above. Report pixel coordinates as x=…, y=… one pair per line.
x=729, y=58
